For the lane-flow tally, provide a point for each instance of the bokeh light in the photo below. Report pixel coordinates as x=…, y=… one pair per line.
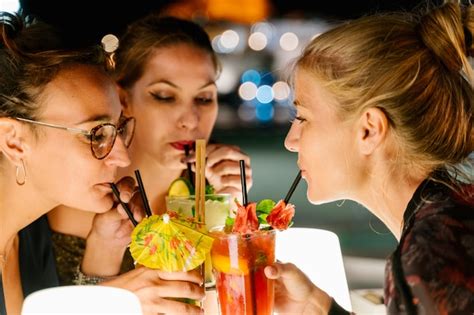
x=257, y=41
x=289, y=41
x=265, y=94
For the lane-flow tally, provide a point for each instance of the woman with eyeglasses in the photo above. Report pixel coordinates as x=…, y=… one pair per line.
x=385, y=113
x=166, y=72
x=62, y=139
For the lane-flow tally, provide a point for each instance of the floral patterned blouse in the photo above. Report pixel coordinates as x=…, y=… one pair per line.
x=432, y=269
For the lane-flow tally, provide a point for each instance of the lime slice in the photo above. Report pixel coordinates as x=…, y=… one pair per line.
x=180, y=187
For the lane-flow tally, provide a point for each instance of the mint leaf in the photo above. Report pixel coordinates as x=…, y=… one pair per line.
x=265, y=206
x=229, y=221
x=229, y=224
x=262, y=218
x=209, y=190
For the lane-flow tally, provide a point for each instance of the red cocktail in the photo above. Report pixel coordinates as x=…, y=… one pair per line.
x=238, y=261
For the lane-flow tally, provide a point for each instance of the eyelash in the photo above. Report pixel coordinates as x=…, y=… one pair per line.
x=299, y=119
x=198, y=100
x=162, y=99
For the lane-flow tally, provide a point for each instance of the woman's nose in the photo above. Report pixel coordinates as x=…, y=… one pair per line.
x=292, y=138
x=118, y=156
x=189, y=118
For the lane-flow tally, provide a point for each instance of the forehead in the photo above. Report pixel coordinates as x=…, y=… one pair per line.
x=79, y=92
x=309, y=90
x=180, y=61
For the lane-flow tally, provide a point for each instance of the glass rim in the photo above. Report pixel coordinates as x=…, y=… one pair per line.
x=186, y=197
x=219, y=228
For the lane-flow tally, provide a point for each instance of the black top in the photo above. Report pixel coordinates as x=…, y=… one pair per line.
x=37, y=266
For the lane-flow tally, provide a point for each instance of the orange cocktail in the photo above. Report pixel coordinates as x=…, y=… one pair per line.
x=238, y=261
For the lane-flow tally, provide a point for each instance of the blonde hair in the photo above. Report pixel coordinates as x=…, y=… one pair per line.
x=415, y=68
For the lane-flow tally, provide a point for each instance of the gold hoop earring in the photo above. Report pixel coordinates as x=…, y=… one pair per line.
x=18, y=173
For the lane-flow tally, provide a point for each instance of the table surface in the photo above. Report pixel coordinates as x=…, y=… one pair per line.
x=368, y=302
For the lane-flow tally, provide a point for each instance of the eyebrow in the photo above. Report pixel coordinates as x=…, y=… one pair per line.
x=208, y=84
x=296, y=103
x=96, y=118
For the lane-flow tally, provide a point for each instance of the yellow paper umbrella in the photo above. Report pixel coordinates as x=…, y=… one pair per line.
x=167, y=244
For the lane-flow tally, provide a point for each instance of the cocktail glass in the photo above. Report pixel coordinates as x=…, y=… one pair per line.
x=238, y=262
x=217, y=208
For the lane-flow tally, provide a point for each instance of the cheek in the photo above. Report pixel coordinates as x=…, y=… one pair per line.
x=153, y=126
x=207, y=119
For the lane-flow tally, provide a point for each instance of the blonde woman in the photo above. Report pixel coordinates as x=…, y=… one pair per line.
x=384, y=116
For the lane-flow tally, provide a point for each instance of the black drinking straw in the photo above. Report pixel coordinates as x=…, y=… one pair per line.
x=124, y=205
x=243, y=181
x=142, y=193
x=292, y=188
x=190, y=172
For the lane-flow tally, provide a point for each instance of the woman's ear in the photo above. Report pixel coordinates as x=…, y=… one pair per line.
x=125, y=101
x=372, y=130
x=12, y=140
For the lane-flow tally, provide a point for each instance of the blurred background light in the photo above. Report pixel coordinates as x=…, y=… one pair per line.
x=281, y=90
x=248, y=91
x=257, y=41
x=246, y=112
x=229, y=39
x=251, y=75
x=289, y=41
x=264, y=112
x=9, y=5
x=265, y=94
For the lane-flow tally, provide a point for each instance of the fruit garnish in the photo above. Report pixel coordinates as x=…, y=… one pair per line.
x=281, y=215
x=181, y=187
x=224, y=264
x=246, y=220
x=261, y=215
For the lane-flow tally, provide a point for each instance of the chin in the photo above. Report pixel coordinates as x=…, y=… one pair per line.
x=317, y=198
x=99, y=205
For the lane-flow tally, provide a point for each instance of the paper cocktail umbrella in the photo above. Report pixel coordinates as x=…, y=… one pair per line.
x=169, y=244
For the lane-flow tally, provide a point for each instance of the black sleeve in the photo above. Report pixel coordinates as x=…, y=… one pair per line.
x=336, y=309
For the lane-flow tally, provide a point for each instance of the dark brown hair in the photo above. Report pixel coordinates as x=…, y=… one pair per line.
x=146, y=35
x=31, y=55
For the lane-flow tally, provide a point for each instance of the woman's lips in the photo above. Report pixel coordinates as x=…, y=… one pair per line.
x=179, y=145
x=105, y=187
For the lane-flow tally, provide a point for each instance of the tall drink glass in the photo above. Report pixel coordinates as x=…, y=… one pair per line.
x=217, y=208
x=238, y=262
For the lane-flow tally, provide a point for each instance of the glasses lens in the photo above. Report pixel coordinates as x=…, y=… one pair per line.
x=126, y=131
x=103, y=139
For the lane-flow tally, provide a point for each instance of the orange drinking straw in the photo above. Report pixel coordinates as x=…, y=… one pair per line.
x=200, y=185
x=200, y=188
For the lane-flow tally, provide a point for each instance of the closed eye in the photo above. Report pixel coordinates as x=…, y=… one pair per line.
x=300, y=119
x=204, y=100
x=161, y=98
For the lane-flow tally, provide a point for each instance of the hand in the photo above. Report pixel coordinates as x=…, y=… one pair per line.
x=295, y=293
x=110, y=233
x=154, y=289
x=114, y=225
x=223, y=169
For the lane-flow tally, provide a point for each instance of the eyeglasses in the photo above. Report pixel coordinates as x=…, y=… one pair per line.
x=102, y=137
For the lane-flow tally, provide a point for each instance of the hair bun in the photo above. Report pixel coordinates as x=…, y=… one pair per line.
x=441, y=30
